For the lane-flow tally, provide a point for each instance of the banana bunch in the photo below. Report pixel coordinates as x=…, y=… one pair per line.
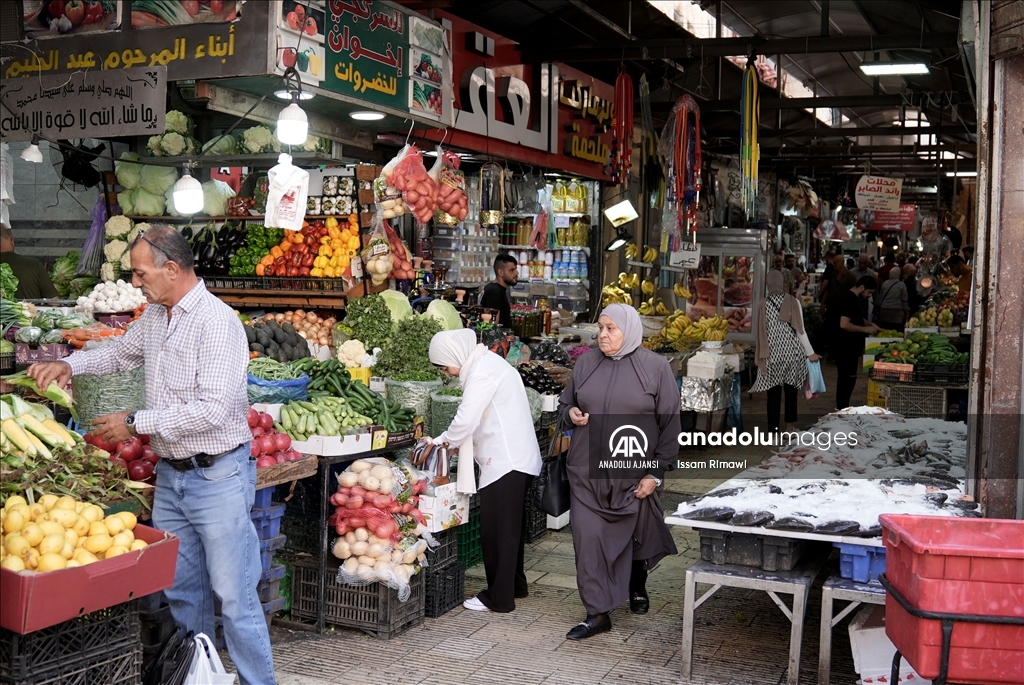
x=676, y=323
x=647, y=287
x=612, y=294
x=650, y=255
x=632, y=251
x=653, y=307
x=680, y=290
x=628, y=281
x=712, y=329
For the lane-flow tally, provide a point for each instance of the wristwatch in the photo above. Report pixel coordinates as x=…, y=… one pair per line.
x=657, y=481
x=129, y=421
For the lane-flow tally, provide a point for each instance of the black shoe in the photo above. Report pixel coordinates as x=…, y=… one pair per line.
x=639, y=603
x=592, y=626
x=522, y=595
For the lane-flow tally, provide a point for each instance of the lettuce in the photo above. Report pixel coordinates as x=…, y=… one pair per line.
x=445, y=313
x=157, y=179
x=398, y=304
x=215, y=197
x=127, y=173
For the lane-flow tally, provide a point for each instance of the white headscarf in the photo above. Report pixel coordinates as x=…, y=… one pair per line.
x=627, y=321
x=456, y=348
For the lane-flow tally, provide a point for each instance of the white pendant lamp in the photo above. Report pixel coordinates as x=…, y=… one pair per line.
x=292, y=125
x=188, y=194
x=32, y=153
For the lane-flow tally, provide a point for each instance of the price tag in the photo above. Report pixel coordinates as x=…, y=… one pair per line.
x=562, y=220
x=357, y=267
x=687, y=257
x=381, y=248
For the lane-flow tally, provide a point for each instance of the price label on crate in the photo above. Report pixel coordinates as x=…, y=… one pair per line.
x=686, y=257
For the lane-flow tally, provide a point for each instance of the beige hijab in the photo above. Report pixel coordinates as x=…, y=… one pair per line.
x=790, y=312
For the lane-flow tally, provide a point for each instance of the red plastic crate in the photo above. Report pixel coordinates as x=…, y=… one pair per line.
x=957, y=566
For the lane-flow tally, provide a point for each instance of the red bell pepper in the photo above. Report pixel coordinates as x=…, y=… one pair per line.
x=55, y=9
x=93, y=12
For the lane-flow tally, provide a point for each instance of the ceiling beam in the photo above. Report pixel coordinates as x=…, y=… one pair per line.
x=851, y=132
x=695, y=48
x=840, y=151
x=612, y=26
x=841, y=101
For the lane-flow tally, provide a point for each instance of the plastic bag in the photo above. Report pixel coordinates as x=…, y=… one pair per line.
x=389, y=198
x=443, y=409
x=536, y=401
x=378, y=261
x=277, y=392
x=207, y=668
x=815, y=381
x=411, y=177
x=412, y=394
x=401, y=256
x=451, y=188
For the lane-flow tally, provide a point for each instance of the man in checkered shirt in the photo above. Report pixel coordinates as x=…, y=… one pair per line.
x=194, y=351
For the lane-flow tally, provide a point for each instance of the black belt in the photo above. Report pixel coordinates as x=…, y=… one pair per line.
x=199, y=461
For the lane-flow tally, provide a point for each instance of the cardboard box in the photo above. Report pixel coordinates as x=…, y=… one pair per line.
x=367, y=172
x=33, y=601
x=366, y=197
x=47, y=352
x=366, y=220
x=335, y=445
x=873, y=651
x=445, y=509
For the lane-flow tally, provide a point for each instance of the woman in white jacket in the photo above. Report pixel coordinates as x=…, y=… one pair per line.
x=495, y=416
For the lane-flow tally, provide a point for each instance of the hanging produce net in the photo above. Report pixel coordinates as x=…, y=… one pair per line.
x=444, y=405
x=97, y=396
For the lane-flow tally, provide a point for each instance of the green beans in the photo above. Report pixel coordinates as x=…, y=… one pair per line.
x=271, y=370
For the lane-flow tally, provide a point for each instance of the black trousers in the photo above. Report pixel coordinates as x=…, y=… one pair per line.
x=774, y=402
x=503, y=538
x=847, y=366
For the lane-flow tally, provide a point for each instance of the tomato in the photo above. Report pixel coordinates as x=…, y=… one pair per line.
x=300, y=10
x=93, y=12
x=293, y=20
x=74, y=10
x=216, y=6
x=55, y=9
x=310, y=26
x=190, y=6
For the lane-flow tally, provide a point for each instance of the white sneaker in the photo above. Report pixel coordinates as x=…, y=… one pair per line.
x=474, y=604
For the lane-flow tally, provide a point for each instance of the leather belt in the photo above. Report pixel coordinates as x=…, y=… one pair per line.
x=199, y=461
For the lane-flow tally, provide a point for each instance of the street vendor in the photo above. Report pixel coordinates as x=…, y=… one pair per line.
x=853, y=331
x=33, y=281
x=495, y=294
x=194, y=352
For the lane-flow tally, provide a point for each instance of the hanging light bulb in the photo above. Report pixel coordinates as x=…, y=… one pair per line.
x=292, y=125
x=32, y=153
x=188, y=194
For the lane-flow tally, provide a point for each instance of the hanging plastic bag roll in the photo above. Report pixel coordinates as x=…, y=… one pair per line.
x=465, y=481
x=286, y=197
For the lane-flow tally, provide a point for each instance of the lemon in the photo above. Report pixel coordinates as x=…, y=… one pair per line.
x=14, y=499
x=138, y=544
x=51, y=562
x=124, y=539
x=71, y=536
x=48, y=501
x=52, y=544
x=36, y=510
x=45, y=516
x=33, y=533
x=16, y=545
x=13, y=522
x=72, y=564
x=51, y=527
x=79, y=506
x=13, y=563
x=97, y=544
x=81, y=526
x=65, y=517
x=90, y=514
x=114, y=524
x=31, y=560
x=65, y=502
x=128, y=518
x=115, y=551
x=97, y=528
x=84, y=557
x=68, y=550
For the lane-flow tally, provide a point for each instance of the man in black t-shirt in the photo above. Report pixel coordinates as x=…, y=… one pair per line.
x=853, y=330
x=495, y=295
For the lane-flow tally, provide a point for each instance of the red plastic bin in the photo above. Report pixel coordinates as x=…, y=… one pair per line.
x=957, y=566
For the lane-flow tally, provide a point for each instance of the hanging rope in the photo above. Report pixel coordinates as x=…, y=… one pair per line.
x=750, y=113
x=622, y=128
x=680, y=143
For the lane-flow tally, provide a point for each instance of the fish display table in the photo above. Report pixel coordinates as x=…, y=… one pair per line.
x=797, y=582
x=837, y=587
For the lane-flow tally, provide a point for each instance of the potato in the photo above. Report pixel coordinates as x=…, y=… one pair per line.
x=359, y=548
x=362, y=535
x=350, y=565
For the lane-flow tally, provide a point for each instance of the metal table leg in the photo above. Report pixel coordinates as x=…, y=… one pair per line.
x=838, y=588
x=825, y=638
x=796, y=632
x=687, y=653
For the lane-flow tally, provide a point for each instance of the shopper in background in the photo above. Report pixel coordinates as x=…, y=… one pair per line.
x=495, y=416
x=962, y=271
x=892, y=303
x=194, y=352
x=914, y=300
x=495, y=294
x=778, y=264
x=618, y=527
x=853, y=330
x=782, y=351
x=837, y=284
x=863, y=268
x=33, y=281
x=968, y=254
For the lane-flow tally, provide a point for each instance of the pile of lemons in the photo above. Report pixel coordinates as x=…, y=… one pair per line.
x=61, y=532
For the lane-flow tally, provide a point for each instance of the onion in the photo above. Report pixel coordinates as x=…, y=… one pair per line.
x=324, y=341
x=279, y=317
x=362, y=535
x=311, y=317
x=299, y=313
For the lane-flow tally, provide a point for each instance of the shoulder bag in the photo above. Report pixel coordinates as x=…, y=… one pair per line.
x=553, y=481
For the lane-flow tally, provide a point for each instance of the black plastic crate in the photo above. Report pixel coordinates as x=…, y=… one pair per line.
x=302, y=533
x=536, y=520
x=474, y=504
x=944, y=374
x=446, y=588
x=373, y=609
x=766, y=552
x=447, y=552
x=156, y=626
x=69, y=644
x=119, y=667
x=304, y=500
x=548, y=419
x=470, y=551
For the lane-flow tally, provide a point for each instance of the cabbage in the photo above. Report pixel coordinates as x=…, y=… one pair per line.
x=445, y=313
x=398, y=304
x=126, y=201
x=157, y=179
x=127, y=173
x=215, y=197
x=169, y=201
x=148, y=204
x=222, y=145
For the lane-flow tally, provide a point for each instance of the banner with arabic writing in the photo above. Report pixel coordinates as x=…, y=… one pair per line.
x=52, y=18
x=367, y=51
x=85, y=105
x=148, y=14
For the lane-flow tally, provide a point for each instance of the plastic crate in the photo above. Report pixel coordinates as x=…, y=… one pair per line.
x=304, y=500
x=860, y=563
x=947, y=374
x=447, y=552
x=264, y=498
x=267, y=520
x=917, y=401
x=889, y=371
x=275, y=573
x=120, y=667
x=268, y=592
x=876, y=396
x=470, y=551
x=156, y=626
x=35, y=656
x=373, y=609
x=267, y=549
x=302, y=533
x=445, y=588
x=536, y=520
x=766, y=552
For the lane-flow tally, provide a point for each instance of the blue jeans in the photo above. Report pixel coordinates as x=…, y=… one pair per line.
x=208, y=509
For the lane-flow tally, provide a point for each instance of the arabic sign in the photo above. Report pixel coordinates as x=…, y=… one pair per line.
x=686, y=257
x=367, y=46
x=879, y=193
x=86, y=105
x=585, y=105
x=45, y=19
x=189, y=51
x=903, y=220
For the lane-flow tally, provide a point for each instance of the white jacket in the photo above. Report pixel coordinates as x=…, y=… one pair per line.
x=496, y=414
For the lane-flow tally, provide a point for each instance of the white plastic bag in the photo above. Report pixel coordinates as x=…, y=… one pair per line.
x=286, y=198
x=207, y=668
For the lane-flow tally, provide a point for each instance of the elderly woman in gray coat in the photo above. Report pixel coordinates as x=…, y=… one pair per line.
x=623, y=404
x=892, y=301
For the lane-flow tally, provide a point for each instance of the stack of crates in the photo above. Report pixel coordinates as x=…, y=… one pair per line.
x=445, y=575
x=876, y=394
x=470, y=551
x=102, y=647
x=536, y=520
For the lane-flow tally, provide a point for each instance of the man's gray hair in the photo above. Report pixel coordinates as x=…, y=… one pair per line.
x=167, y=245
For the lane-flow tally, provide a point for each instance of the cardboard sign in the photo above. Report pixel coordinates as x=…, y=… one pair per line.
x=879, y=193
x=686, y=257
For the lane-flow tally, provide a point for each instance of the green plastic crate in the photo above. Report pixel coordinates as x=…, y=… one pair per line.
x=470, y=551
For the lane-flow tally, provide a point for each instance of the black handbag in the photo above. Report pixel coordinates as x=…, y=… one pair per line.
x=171, y=666
x=553, y=481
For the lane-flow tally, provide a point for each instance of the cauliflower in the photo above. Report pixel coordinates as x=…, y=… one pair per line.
x=126, y=261
x=173, y=144
x=139, y=229
x=117, y=226
x=312, y=144
x=114, y=249
x=191, y=145
x=176, y=122
x=153, y=145
x=107, y=272
x=257, y=139
x=351, y=353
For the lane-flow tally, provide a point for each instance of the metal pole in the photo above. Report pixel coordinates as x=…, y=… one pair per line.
x=824, y=18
